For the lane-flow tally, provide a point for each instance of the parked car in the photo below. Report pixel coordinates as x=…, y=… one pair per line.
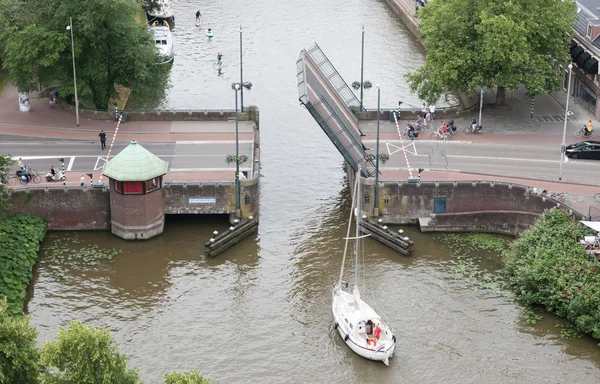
x=584, y=150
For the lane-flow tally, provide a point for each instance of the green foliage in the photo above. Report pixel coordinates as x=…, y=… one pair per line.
x=189, y=377
x=530, y=316
x=20, y=237
x=83, y=354
x=18, y=351
x=492, y=43
x=468, y=242
x=547, y=266
x=31, y=54
x=5, y=163
x=110, y=48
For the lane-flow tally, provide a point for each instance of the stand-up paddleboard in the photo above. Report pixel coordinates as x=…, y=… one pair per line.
x=197, y=22
x=209, y=34
x=219, y=65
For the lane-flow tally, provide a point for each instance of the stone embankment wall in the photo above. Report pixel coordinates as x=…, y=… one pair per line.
x=66, y=208
x=457, y=206
x=250, y=113
x=211, y=198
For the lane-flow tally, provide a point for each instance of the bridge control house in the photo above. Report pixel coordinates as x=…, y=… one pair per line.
x=136, y=199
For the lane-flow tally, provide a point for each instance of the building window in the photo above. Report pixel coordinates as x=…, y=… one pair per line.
x=118, y=186
x=133, y=187
x=153, y=184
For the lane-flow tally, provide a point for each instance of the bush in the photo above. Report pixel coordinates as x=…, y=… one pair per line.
x=547, y=266
x=20, y=237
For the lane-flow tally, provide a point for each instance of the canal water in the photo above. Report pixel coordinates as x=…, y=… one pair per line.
x=260, y=312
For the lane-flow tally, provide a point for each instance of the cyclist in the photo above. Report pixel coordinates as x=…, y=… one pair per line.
x=588, y=128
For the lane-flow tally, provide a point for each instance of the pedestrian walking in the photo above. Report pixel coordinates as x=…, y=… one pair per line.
x=102, y=139
x=424, y=110
x=427, y=118
x=82, y=181
x=432, y=111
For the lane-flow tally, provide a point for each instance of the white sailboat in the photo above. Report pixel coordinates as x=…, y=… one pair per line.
x=361, y=328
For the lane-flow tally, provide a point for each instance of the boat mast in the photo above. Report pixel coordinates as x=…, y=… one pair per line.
x=348, y=231
x=357, y=241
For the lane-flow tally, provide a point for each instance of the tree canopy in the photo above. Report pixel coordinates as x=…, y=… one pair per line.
x=492, y=43
x=83, y=354
x=18, y=352
x=189, y=377
x=110, y=47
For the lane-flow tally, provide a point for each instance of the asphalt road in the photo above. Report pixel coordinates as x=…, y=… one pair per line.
x=81, y=156
x=522, y=161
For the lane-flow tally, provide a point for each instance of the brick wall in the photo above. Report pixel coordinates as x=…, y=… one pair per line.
x=403, y=203
x=211, y=198
x=66, y=208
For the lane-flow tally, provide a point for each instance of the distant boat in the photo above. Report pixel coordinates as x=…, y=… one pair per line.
x=163, y=38
x=162, y=11
x=209, y=33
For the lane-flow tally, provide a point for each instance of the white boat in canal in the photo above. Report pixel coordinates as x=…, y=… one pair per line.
x=162, y=10
x=361, y=328
x=163, y=38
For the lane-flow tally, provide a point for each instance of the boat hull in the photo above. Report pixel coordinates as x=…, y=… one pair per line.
x=381, y=351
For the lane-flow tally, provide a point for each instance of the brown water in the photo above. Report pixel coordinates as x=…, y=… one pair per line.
x=260, y=312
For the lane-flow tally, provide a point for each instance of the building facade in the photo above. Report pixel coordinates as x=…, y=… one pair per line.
x=585, y=52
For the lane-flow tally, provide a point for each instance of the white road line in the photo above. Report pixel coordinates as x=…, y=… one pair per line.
x=501, y=158
x=71, y=161
x=215, y=142
x=207, y=169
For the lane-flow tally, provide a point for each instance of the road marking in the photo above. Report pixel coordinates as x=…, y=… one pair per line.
x=71, y=161
x=206, y=169
x=502, y=158
x=215, y=142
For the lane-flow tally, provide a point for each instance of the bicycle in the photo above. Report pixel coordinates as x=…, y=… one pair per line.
x=469, y=129
x=597, y=197
x=439, y=135
x=581, y=132
x=562, y=197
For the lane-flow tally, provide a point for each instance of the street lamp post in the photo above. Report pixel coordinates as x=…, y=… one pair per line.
x=238, y=210
x=562, y=146
x=241, y=74
x=362, y=61
x=376, y=206
x=480, y=105
x=70, y=28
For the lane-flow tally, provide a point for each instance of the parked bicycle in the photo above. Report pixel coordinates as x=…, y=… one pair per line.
x=562, y=197
x=581, y=132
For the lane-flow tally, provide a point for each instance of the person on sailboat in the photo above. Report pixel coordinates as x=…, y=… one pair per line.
x=198, y=16
x=369, y=328
x=377, y=332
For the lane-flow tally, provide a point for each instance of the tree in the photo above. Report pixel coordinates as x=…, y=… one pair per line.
x=5, y=163
x=31, y=54
x=18, y=352
x=83, y=354
x=110, y=48
x=189, y=377
x=492, y=43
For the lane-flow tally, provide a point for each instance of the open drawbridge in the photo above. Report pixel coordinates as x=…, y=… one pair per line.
x=332, y=103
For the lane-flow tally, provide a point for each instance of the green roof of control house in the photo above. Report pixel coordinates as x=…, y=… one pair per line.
x=135, y=163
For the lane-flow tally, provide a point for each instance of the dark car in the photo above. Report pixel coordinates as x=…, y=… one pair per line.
x=584, y=150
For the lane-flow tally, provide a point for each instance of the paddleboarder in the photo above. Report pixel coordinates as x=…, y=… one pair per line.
x=198, y=16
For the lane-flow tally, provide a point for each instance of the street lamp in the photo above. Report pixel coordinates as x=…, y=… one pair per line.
x=562, y=146
x=362, y=60
x=376, y=205
x=70, y=28
x=238, y=210
x=241, y=74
